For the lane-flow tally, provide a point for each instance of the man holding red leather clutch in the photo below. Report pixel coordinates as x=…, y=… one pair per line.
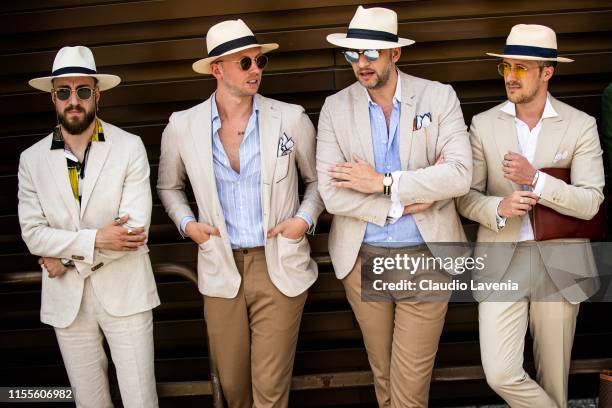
x=510, y=142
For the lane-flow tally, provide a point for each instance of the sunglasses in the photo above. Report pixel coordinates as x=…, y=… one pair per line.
x=83, y=93
x=519, y=70
x=245, y=62
x=352, y=56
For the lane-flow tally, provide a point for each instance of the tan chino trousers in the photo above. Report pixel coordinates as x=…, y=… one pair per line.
x=253, y=336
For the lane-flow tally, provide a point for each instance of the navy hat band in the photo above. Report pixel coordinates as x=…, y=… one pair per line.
x=232, y=45
x=530, y=51
x=73, y=70
x=363, y=34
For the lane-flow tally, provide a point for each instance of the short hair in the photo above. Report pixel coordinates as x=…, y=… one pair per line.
x=543, y=64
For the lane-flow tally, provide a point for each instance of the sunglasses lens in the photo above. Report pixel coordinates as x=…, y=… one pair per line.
x=371, y=55
x=62, y=94
x=351, y=56
x=261, y=61
x=245, y=63
x=84, y=93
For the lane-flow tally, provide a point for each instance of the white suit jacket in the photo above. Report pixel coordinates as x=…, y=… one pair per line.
x=344, y=130
x=186, y=151
x=53, y=225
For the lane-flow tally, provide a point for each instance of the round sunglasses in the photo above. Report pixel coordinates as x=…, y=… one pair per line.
x=352, y=56
x=83, y=93
x=245, y=62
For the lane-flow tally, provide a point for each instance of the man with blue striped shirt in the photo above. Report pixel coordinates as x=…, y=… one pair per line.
x=392, y=153
x=241, y=153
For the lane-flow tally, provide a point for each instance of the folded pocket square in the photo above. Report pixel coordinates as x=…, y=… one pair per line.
x=421, y=121
x=560, y=156
x=285, y=145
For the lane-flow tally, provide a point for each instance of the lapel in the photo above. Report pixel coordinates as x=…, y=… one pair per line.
x=200, y=135
x=269, y=126
x=407, y=114
x=98, y=152
x=506, y=138
x=550, y=137
x=59, y=173
x=361, y=119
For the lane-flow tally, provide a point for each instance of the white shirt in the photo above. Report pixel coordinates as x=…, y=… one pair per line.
x=528, y=141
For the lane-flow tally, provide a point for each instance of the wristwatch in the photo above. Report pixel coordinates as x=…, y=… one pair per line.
x=387, y=182
x=67, y=262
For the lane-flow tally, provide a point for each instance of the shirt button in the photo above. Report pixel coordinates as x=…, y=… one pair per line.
x=389, y=238
x=387, y=167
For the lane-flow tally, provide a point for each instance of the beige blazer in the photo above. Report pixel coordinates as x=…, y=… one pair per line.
x=569, y=140
x=186, y=151
x=344, y=130
x=53, y=225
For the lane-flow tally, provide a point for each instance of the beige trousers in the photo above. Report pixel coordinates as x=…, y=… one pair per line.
x=401, y=339
x=253, y=336
x=130, y=339
x=503, y=326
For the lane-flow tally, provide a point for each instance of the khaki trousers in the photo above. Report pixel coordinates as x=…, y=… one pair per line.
x=130, y=339
x=253, y=336
x=503, y=326
x=401, y=339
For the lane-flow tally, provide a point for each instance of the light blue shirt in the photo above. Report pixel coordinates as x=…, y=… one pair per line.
x=386, y=143
x=240, y=193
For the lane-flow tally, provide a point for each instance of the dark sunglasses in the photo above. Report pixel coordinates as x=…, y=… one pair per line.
x=245, y=62
x=83, y=93
x=352, y=56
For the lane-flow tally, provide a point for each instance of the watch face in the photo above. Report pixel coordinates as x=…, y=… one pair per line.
x=387, y=181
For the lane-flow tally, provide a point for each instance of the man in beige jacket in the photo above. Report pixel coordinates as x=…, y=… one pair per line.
x=392, y=153
x=241, y=153
x=97, y=278
x=510, y=142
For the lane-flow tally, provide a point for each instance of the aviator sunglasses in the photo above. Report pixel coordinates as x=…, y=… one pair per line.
x=352, y=56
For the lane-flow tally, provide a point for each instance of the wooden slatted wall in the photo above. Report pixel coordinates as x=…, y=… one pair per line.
x=151, y=44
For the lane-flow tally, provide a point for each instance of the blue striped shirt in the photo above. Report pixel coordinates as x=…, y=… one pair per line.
x=386, y=143
x=240, y=193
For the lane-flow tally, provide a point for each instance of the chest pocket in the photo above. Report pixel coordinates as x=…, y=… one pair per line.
x=282, y=167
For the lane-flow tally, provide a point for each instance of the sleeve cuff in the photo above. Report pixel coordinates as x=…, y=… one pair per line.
x=539, y=187
x=501, y=221
x=304, y=215
x=396, y=175
x=184, y=223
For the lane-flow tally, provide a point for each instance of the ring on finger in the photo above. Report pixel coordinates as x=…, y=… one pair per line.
x=130, y=231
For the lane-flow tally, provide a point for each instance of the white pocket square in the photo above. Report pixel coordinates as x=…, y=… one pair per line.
x=560, y=156
x=421, y=121
x=285, y=145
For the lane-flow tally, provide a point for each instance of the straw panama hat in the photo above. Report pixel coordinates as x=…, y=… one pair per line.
x=75, y=61
x=373, y=28
x=531, y=42
x=225, y=38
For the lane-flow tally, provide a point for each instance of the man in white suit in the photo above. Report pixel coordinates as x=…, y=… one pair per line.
x=392, y=153
x=510, y=142
x=85, y=208
x=241, y=152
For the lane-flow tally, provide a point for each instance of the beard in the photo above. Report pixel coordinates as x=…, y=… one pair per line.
x=521, y=98
x=380, y=79
x=76, y=126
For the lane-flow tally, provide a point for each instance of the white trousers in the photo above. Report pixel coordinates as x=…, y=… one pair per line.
x=552, y=324
x=130, y=339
